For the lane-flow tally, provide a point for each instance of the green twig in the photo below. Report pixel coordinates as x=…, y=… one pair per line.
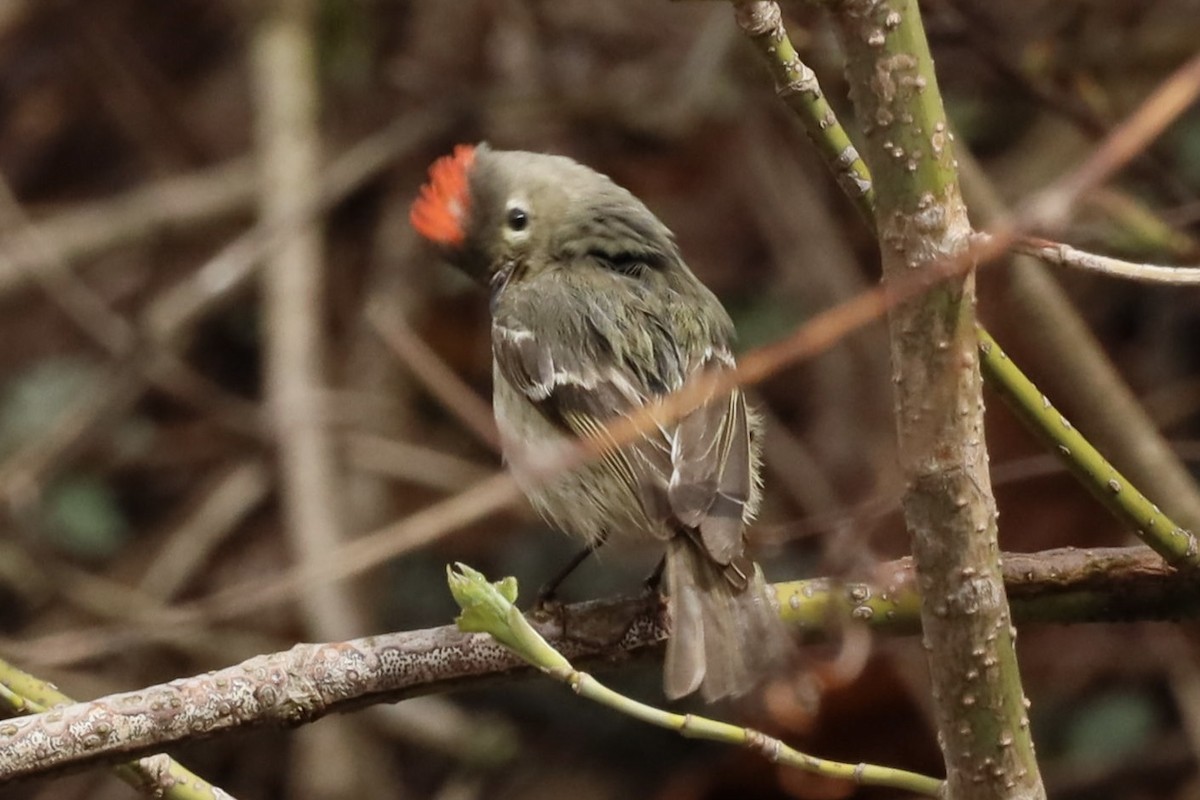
x=799, y=89
x=1175, y=544
x=488, y=608
x=156, y=776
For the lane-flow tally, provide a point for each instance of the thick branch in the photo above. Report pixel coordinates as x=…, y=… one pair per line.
x=312, y=680
x=951, y=514
x=155, y=776
x=1132, y=440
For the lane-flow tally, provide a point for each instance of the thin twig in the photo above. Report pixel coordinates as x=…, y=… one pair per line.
x=797, y=85
x=1050, y=208
x=489, y=608
x=1064, y=255
x=449, y=389
x=1076, y=367
x=1178, y=546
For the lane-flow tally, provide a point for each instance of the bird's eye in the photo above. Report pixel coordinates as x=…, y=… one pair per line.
x=518, y=219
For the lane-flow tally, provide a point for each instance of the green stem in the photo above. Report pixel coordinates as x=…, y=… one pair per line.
x=1065, y=586
x=921, y=221
x=799, y=89
x=695, y=727
x=489, y=608
x=1175, y=544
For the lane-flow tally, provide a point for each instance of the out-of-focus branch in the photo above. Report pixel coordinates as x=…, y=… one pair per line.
x=311, y=482
x=233, y=495
x=172, y=314
x=90, y=313
x=453, y=393
x=1050, y=208
x=285, y=76
x=174, y=203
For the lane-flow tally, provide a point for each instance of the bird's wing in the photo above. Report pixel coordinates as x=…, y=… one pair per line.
x=696, y=474
x=712, y=478
x=578, y=392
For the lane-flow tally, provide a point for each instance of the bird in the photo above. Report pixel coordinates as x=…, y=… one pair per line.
x=595, y=315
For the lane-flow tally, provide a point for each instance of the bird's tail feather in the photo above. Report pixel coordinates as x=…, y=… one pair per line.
x=724, y=638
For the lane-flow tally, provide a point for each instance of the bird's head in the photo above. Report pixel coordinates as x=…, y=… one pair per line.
x=490, y=209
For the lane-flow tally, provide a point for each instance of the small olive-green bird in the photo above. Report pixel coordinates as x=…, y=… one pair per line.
x=595, y=314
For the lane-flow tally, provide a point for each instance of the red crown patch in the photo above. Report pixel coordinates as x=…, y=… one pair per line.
x=440, y=213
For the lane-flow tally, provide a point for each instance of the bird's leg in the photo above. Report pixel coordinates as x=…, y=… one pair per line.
x=549, y=591
x=653, y=581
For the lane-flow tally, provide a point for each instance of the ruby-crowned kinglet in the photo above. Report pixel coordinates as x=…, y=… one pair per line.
x=594, y=313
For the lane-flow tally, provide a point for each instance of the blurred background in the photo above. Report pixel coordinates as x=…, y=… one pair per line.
x=143, y=462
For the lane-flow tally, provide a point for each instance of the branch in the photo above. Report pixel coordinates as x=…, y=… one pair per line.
x=1051, y=206
x=156, y=775
x=175, y=203
x=978, y=700
x=763, y=24
x=797, y=86
x=293, y=288
x=488, y=608
x=1076, y=367
x=312, y=680
x=1063, y=255
x=1114, y=491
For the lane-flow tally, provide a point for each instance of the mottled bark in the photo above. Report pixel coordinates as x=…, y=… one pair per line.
x=951, y=514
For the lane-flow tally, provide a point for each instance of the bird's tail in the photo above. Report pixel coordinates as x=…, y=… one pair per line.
x=726, y=636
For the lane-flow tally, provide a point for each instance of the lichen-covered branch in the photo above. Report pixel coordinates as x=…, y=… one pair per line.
x=312, y=680
x=949, y=508
x=155, y=776
x=302, y=684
